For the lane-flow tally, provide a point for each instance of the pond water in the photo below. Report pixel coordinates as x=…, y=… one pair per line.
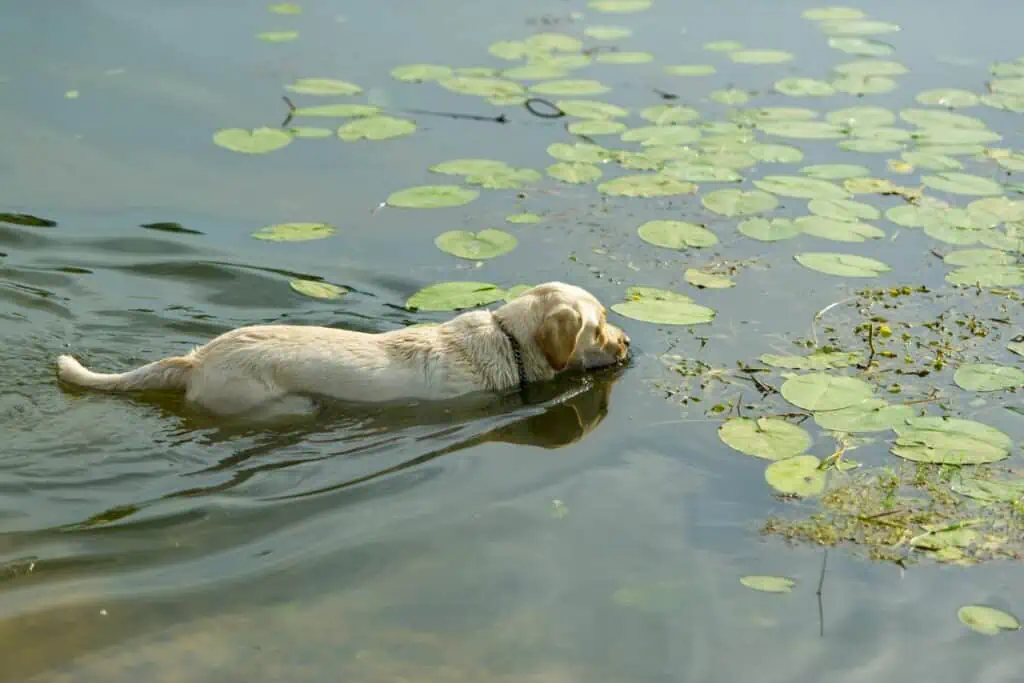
x=598, y=532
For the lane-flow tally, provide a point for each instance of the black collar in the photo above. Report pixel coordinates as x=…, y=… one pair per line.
x=517, y=354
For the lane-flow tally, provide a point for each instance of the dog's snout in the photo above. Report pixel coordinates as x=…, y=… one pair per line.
x=626, y=340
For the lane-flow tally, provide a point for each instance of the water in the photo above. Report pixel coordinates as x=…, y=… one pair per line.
x=141, y=542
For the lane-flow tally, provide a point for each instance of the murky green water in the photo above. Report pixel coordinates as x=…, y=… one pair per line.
x=597, y=534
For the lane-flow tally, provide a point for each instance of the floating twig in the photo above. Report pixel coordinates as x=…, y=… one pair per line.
x=291, y=110
x=665, y=95
x=500, y=118
x=821, y=605
x=555, y=113
x=871, y=346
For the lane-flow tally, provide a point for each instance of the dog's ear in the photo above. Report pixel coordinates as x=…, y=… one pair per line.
x=558, y=334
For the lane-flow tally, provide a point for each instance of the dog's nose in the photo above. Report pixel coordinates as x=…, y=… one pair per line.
x=626, y=340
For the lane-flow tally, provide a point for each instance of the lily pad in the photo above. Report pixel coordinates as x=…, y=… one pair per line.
x=857, y=27
x=432, y=197
x=583, y=152
x=795, y=186
x=804, y=87
x=662, y=135
x=662, y=307
x=285, y=8
x=676, y=234
x=948, y=97
x=869, y=415
x=485, y=244
x=820, y=360
x=774, y=230
x=591, y=109
x=760, y=56
x=376, y=128
x=768, y=584
x=341, y=111
x=820, y=391
x=649, y=185
x=580, y=86
x=310, y=132
x=701, y=173
x=843, y=265
x=524, y=218
x=317, y=289
x=837, y=13
x=796, y=476
x=256, y=141
x=838, y=230
x=690, y=70
x=871, y=67
x=767, y=437
x=864, y=85
x=278, y=36
x=1016, y=347
x=988, y=377
x=987, y=276
x=534, y=72
x=421, y=73
x=843, y=209
x=505, y=178
x=979, y=257
x=294, y=232
x=723, y=46
x=931, y=161
x=619, y=6
x=481, y=86
x=806, y=130
x=962, y=183
x=465, y=167
x=455, y=296
x=989, y=490
x=950, y=441
x=607, y=32
x=988, y=621
x=729, y=97
x=863, y=47
x=323, y=86
x=835, y=171
x=574, y=172
x=705, y=280
x=776, y=154
x=596, y=127
x=739, y=203
x=861, y=117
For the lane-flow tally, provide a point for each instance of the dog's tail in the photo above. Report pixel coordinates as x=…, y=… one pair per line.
x=169, y=373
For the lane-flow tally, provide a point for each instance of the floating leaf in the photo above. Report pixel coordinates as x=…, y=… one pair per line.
x=807, y=130
x=766, y=230
x=729, y=97
x=723, y=46
x=420, y=73
x=869, y=415
x=317, y=289
x=483, y=86
x=950, y=441
x=871, y=67
x=376, y=128
x=864, y=85
x=778, y=154
x=432, y=197
x=570, y=87
x=690, y=70
x=989, y=490
x=857, y=27
x=819, y=360
x=701, y=173
x=760, y=56
x=485, y=244
x=843, y=209
x=1016, y=347
x=591, y=109
x=767, y=437
x=285, y=8
x=652, y=185
x=524, y=218
x=310, y=132
x=838, y=230
x=932, y=162
x=454, y=296
x=863, y=47
x=27, y=219
x=676, y=234
x=948, y=97
x=669, y=114
x=768, y=584
x=795, y=186
x=988, y=621
x=705, y=280
x=978, y=257
x=466, y=167
x=988, y=377
x=861, y=117
x=294, y=232
x=256, y=141
x=962, y=183
x=995, y=210
x=738, y=203
x=843, y=265
x=619, y=6
x=819, y=391
x=506, y=178
x=346, y=111
x=662, y=135
x=663, y=307
x=957, y=426
x=796, y=476
x=323, y=86
x=574, y=172
x=278, y=36
x=804, y=87
x=607, y=32
x=834, y=172
x=988, y=276
x=837, y=13
x=583, y=152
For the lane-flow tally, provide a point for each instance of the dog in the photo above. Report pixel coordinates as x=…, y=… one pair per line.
x=546, y=330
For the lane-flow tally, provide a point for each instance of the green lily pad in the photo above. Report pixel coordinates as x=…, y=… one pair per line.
x=864, y=85
x=995, y=210
x=988, y=621
x=676, y=234
x=285, y=8
x=421, y=73
x=579, y=86
x=988, y=377
x=948, y=97
x=843, y=210
x=838, y=230
x=323, y=86
x=649, y=185
x=619, y=6
x=1016, y=347
x=931, y=118
x=690, y=70
x=989, y=490
x=767, y=437
x=729, y=97
x=574, y=172
x=987, y=276
x=834, y=172
x=962, y=183
x=871, y=67
x=701, y=173
x=932, y=162
x=455, y=296
x=294, y=232
x=979, y=257
x=957, y=426
x=506, y=178
x=869, y=415
x=591, y=109
x=796, y=476
x=795, y=186
x=819, y=360
x=760, y=56
x=607, y=32
x=805, y=130
x=843, y=265
x=705, y=280
x=278, y=36
x=256, y=141
x=836, y=13
x=481, y=86
x=820, y=391
x=862, y=47
x=485, y=244
x=662, y=135
x=343, y=111
x=625, y=57
x=776, y=154
x=951, y=441
x=534, y=72
x=524, y=218
x=857, y=27
x=662, y=307
x=768, y=584
x=376, y=128
x=432, y=197
x=317, y=289
x=723, y=46
x=465, y=167
x=310, y=132
x=774, y=230
x=739, y=203
x=861, y=117
x=804, y=87
x=582, y=152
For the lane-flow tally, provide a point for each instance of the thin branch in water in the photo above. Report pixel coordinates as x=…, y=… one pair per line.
x=821, y=605
x=665, y=95
x=501, y=118
x=291, y=111
x=555, y=112
x=866, y=365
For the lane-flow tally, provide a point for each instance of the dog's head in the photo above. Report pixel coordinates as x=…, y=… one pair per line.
x=568, y=325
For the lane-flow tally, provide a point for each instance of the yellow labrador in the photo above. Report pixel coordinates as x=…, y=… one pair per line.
x=548, y=329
